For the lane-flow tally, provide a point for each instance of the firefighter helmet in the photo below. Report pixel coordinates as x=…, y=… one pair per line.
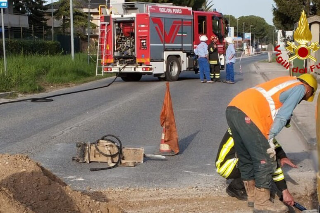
x=229, y=40
x=214, y=37
x=311, y=81
x=203, y=38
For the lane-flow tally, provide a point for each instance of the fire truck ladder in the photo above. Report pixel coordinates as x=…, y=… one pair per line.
x=101, y=50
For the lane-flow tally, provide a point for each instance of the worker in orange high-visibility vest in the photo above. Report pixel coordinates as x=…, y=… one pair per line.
x=255, y=117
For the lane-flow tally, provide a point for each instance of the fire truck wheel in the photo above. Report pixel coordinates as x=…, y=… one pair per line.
x=173, y=68
x=132, y=77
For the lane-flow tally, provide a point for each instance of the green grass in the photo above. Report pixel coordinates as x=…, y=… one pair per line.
x=30, y=74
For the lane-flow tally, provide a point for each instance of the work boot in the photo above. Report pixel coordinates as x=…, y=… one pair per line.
x=262, y=203
x=250, y=185
x=236, y=189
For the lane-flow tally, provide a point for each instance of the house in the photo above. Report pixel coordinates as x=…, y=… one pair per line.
x=12, y=21
x=88, y=6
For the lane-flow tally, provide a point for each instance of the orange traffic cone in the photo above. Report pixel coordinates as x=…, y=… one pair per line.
x=164, y=148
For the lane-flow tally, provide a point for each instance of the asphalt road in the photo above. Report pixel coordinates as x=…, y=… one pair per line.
x=48, y=131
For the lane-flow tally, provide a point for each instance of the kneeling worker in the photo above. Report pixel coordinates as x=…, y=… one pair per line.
x=226, y=163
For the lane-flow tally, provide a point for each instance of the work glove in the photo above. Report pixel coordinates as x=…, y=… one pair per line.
x=271, y=151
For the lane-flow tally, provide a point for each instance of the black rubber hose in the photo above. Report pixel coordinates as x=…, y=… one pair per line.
x=48, y=98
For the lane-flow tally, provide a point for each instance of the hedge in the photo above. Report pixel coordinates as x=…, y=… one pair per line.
x=27, y=47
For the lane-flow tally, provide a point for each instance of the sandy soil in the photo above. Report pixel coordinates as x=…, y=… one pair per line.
x=25, y=186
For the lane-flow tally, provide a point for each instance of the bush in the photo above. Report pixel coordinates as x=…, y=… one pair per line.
x=27, y=47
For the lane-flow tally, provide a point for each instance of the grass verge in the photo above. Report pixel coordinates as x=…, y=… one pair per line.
x=32, y=74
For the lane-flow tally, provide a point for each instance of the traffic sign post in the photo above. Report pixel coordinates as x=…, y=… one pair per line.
x=3, y=4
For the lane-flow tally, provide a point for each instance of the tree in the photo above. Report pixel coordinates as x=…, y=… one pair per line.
x=207, y=6
x=80, y=19
x=34, y=9
x=315, y=7
x=259, y=27
x=63, y=13
x=287, y=13
x=195, y=4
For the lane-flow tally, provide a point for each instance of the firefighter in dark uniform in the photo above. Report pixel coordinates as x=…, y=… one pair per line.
x=214, y=59
x=226, y=163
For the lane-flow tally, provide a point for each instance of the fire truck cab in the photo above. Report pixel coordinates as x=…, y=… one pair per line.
x=138, y=38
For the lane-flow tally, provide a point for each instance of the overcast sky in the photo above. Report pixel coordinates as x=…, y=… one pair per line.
x=237, y=8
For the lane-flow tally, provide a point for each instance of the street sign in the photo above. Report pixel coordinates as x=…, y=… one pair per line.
x=231, y=32
x=3, y=3
x=247, y=36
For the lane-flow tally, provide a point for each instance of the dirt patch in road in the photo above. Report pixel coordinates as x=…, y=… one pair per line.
x=25, y=186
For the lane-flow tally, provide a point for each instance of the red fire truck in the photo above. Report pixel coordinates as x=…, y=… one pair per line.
x=139, y=38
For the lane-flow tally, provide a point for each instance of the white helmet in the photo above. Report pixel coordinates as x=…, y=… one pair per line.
x=203, y=38
x=229, y=40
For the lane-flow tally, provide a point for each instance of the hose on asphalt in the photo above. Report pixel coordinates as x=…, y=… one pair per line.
x=49, y=98
x=116, y=141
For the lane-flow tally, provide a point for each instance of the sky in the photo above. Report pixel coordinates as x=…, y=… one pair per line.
x=237, y=8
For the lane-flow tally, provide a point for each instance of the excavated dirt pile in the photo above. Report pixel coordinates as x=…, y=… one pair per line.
x=25, y=186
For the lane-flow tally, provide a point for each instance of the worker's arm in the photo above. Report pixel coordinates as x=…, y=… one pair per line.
x=290, y=100
x=196, y=51
x=279, y=151
x=233, y=52
x=282, y=156
x=210, y=48
x=278, y=176
x=287, y=197
x=281, y=184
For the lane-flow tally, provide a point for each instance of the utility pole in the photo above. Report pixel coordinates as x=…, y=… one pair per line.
x=243, y=34
x=243, y=30
x=237, y=26
x=250, y=34
x=250, y=39
x=71, y=30
x=237, y=32
x=3, y=43
x=89, y=16
x=52, y=27
x=273, y=31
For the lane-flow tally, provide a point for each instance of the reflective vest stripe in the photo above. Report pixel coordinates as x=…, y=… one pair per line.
x=278, y=178
x=230, y=168
x=276, y=144
x=278, y=171
x=268, y=95
x=224, y=151
x=278, y=175
x=224, y=166
x=227, y=167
